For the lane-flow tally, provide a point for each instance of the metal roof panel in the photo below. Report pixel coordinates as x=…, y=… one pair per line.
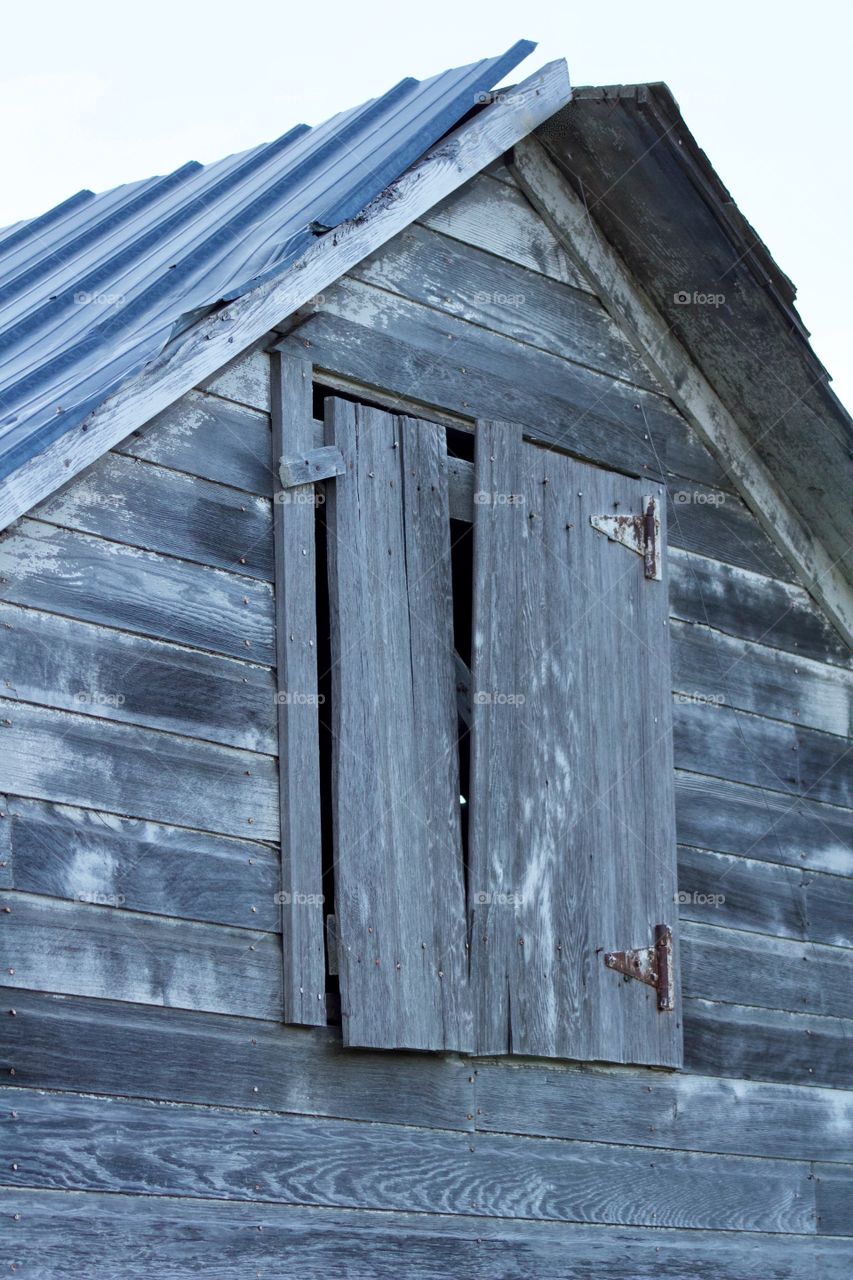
x=93, y=289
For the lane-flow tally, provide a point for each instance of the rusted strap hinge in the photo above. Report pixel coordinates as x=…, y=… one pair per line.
x=652, y=965
x=637, y=533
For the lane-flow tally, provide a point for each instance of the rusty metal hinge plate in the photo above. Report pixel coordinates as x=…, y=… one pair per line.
x=637, y=533
x=652, y=965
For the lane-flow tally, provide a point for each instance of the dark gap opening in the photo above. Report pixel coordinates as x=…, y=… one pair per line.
x=322, y=393
x=324, y=689
x=460, y=444
x=462, y=566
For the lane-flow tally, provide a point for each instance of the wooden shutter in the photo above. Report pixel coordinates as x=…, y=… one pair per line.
x=399, y=884
x=301, y=898
x=572, y=844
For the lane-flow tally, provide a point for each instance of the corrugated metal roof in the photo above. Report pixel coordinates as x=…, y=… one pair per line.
x=95, y=288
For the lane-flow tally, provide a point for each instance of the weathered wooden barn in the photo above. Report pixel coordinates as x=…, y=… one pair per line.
x=425, y=603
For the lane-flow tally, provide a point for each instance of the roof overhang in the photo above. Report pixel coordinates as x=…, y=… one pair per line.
x=650, y=190
x=230, y=329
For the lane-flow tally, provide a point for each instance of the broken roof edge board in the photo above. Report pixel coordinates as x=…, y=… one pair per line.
x=566, y=214
x=222, y=335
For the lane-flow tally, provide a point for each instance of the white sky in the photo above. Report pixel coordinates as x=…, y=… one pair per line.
x=94, y=94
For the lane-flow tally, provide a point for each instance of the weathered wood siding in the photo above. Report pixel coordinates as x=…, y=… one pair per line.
x=205, y=1137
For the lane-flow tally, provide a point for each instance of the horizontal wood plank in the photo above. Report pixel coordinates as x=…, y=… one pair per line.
x=719, y=525
x=774, y=973
x=436, y=271
x=767, y=1044
x=741, y=747
x=86, y=856
x=769, y=825
x=743, y=893
x=79, y=949
x=169, y=1149
x=89, y=578
x=134, y=1237
x=76, y=666
x=441, y=361
x=245, y=380
x=658, y=1109
x=101, y=1046
x=494, y=216
x=711, y=667
x=205, y=436
x=752, y=606
x=145, y=505
x=123, y=769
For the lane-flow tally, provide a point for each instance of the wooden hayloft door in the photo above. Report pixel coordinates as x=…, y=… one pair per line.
x=495, y=934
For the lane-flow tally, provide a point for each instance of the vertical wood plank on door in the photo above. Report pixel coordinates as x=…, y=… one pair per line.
x=400, y=900
x=572, y=812
x=298, y=721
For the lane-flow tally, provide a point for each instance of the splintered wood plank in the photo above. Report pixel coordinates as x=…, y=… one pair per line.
x=572, y=847
x=399, y=878
x=304, y=952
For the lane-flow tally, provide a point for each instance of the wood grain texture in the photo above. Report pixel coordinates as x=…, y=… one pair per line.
x=145, y=505
x=769, y=825
x=717, y=524
x=94, y=580
x=245, y=380
x=753, y=607
x=709, y=666
x=132, y=1237
x=656, y=1109
x=76, y=666
x=834, y=1191
x=310, y=465
x=741, y=747
x=59, y=1142
x=86, y=856
x=773, y=973
x=572, y=847
x=383, y=340
x=206, y=436
x=84, y=950
x=303, y=949
x=6, y=865
x=134, y=772
x=399, y=877
x=751, y=1043
x=496, y=217
x=488, y=291
x=101, y=1046
x=743, y=893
